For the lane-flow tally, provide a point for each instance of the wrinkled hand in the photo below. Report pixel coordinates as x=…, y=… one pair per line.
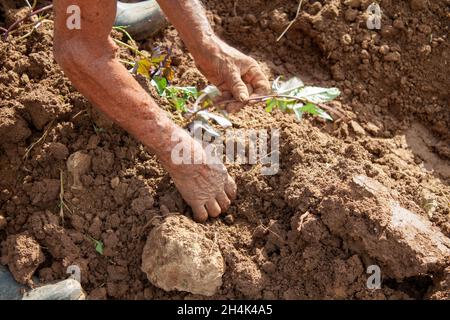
x=203, y=182
x=237, y=75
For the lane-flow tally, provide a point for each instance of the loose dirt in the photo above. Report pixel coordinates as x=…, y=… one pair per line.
x=286, y=236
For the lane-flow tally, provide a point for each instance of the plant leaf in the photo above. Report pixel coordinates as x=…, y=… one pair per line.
x=317, y=94
x=99, y=247
x=160, y=83
x=288, y=86
x=198, y=125
x=178, y=103
x=143, y=67
x=298, y=110
x=270, y=104
x=211, y=91
x=222, y=121
x=315, y=111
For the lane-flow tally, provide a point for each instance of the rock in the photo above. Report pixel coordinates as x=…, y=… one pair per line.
x=229, y=219
x=78, y=164
x=384, y=49
x=3, y=222
x=142, y=203
x=251, y=19
x=9, y=288
x=350, y=15
x=42, y=105
x=13, y=128
x=68, y=289
x=392, y=57
x=24, y=255
x=58, y=150
x=346, y=39
x=93, y=142
x=418, y=4
x=369, y=218
x=279, y=20
x=372, y=128
x=179, y=256
x=357, y=129
x=115, y=182
x=353, y=3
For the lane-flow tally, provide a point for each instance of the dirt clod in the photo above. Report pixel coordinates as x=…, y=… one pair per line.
x=367, y=216
x=179, y=256
x=24, y=255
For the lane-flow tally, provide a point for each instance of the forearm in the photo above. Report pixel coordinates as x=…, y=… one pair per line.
x=87, y=57
x=189, y=18
x=111, y=88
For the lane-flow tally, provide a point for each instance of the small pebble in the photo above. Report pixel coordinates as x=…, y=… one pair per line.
x=229, y=219
x=384, y=49
x=392, y=57
x=2, y=222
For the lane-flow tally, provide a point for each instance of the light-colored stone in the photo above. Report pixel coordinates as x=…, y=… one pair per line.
x=3, y=222
x=357, y=129
x=68, y=289
x=179, y=256
x=78, y=164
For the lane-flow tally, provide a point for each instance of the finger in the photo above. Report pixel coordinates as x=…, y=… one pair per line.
x=237, y=86
x=257, y=79
x=223, y=201
x=213, y=208
x=230, y=188
x=249, y=88
x=200, y=213
x=225, y=96
x=234, y=107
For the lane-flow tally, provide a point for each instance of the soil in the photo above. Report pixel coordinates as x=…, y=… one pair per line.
x=279, y=238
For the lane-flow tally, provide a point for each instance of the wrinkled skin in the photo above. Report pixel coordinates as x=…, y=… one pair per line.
x=87, y=56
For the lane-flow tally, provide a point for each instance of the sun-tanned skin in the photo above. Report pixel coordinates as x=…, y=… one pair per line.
x=87, y=56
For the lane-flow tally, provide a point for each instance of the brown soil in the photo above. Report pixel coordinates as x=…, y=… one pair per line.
x=283, y=237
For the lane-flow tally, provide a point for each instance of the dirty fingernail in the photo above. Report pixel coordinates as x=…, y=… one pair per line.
x=243, y=97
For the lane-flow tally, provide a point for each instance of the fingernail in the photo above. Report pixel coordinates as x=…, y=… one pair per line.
x=243, y=97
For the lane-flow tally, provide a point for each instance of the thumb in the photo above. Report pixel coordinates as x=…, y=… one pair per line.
x=237, y=86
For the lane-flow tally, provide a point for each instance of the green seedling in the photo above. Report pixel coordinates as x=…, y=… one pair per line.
x=98, y=245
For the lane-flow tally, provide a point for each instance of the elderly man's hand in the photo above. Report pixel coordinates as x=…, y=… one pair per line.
x=234, y=73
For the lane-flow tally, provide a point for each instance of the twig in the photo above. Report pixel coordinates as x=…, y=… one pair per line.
x=262, y=99
x=37, y=25
x=32, y=13
x=41, y=139
x=135, y=50
x=62, y=204
x=123, y=29
x=293, y=20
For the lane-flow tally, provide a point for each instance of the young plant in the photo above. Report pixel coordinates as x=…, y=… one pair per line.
x=200, y=108
x=98, y=245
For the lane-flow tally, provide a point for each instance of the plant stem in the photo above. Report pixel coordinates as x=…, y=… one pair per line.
x=293, y=20
x=263, y=98
x=135, y=50
x=32, y=13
